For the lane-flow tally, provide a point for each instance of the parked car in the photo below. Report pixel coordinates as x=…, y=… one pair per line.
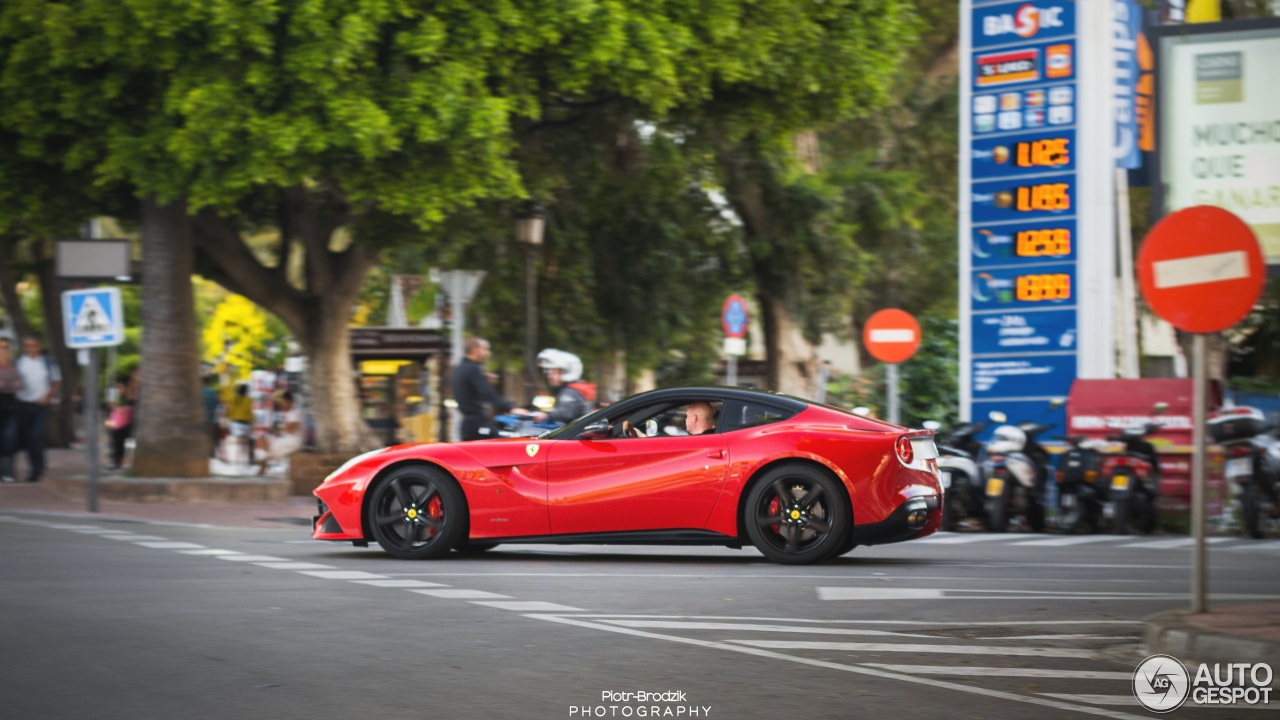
x=802, y=482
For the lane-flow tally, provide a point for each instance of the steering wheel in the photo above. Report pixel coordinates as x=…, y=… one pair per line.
x=629, y=430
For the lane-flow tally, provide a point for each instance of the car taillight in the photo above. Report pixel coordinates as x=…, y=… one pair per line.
x=905, y=453
x=1241, y=451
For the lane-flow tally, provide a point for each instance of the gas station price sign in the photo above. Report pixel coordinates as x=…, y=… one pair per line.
x=1020, y=246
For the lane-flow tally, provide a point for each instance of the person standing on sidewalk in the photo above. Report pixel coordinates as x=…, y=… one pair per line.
x=40, y=381
x=471, y=389
x=10, y=382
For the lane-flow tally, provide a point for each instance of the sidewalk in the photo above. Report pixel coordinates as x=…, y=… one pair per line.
x=1225, y=634
x=227, y=501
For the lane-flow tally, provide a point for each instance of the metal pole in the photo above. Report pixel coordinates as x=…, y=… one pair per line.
x=530, y=329
x=92, y=428
x=731, y=371
x=891, y=382
x=1199, y=575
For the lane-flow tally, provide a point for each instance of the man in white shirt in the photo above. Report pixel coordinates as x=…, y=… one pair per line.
x=40, y=380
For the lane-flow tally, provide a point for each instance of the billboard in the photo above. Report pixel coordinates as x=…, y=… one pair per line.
x=1219, y=128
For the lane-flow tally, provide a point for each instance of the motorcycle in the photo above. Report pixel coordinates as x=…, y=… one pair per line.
x=1253, y=463
x=517, y=426
x=1080, y=495
x=1016, y=469
x=961, y=477
x=1132, y=480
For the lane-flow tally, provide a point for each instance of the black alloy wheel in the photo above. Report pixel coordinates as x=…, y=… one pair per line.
x=797, y=514
x=417, y=512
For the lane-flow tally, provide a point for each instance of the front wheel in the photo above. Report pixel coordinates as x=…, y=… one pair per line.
x=1120, y=514
x=797, y=515
x=417, y=512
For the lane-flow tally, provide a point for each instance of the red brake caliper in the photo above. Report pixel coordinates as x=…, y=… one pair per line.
x=775, y=506
x=435, y=511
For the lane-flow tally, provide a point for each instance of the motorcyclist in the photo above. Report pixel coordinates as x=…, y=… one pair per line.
x=564, y=374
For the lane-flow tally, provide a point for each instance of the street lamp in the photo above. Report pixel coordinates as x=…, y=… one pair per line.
x=530, y=223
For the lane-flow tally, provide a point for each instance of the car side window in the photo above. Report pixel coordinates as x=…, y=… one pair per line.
x=739, y=414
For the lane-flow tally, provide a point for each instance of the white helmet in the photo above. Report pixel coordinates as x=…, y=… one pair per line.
x=567, y=363
x=1007, y=439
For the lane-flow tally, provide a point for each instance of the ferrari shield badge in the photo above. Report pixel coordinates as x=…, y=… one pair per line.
x=532, y=449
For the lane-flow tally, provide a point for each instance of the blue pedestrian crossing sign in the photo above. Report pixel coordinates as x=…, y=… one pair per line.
x=93, y=317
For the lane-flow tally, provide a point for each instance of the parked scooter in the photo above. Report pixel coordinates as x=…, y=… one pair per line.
x=963, y=493
x=1132, y=479
x=1080, y=495
x=1016, y=470
x=1253, y=462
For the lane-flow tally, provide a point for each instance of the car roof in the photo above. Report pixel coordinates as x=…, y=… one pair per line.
x=722, y=392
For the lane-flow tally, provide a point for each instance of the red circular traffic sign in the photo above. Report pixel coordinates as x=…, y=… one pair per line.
x=891, y=335
x=1201, y=269
x=734, y=316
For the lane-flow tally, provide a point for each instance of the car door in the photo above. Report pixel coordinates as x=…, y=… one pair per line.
x=646, y=483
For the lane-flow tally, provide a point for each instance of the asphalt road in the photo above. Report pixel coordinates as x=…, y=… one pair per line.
x=105, y=619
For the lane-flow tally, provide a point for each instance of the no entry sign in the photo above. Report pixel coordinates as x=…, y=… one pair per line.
x=1201, y=269
x=891, y=335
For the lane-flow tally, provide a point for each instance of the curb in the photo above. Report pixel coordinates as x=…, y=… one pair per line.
x=1177, y=633
x=174, y=490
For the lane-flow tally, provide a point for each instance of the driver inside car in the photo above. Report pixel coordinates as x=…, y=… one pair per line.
x=699, y=418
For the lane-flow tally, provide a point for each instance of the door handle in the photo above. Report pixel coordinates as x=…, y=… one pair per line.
x=717, y=454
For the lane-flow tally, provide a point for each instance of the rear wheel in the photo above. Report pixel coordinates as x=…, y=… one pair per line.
x=417, y=512
x=1035, y=511
x=1147, y=516
x=996, y=509
x=1070, y=513
x=1120, y=514
x=1251, y=514
x=796, y=514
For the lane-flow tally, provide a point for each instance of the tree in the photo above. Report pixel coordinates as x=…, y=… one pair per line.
x=338, y=122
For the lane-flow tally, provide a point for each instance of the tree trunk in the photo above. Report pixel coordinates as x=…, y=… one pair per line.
x=62, y=416
x=335, y=404
x=791, y=365
x=318, y=316
x=172, y=440
x=9, y=290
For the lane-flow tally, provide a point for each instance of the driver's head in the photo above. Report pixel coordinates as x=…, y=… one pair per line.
x=699, y=418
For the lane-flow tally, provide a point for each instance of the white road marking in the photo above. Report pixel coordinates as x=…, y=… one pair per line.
x=395, y=583
x=960, y=539
x=999, y=672
x=342, y=574
x=684, y=625
x=295, y=566
x=1131, y=700
x=208, y=551
x=1067, y=540
x=461, y=594
x=913, y=648
x=1200, y=269
x=930, y=623
x=1164, y=544
x=1250, y=547
x=857, y=669
x=252, y=558
x=170, y=545
x=89, y=530
x=861, y=593
x=134, y=538
x=526, y=605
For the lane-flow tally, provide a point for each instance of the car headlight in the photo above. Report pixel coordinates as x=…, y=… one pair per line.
x=352, y=463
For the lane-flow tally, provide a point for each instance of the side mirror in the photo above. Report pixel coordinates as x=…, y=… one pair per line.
x=596, y=430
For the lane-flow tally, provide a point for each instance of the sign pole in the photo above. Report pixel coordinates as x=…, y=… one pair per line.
x=92, y=428
x=731, y=378
x=891, y=382
x=1199, y=574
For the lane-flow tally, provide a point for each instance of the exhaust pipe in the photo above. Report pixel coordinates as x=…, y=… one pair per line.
x=917, y=515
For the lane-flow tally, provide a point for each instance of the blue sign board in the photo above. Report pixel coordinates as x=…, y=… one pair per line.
x=1038, y=198
x=1024, y=288
x=1023, y=332
x=1024, y=376
x=1024, y=154
x=93, y=317
x=733, y=316
x=1023, y=243
x=1022, y=22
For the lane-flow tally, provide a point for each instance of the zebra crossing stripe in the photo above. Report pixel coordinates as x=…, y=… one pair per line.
x=961, y=539
x=749, y=627
x=1067, y=540
x=999, y=672
x=1257, y=546
x=1047, y=652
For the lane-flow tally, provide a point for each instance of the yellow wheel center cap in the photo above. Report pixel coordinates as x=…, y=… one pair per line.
x=795, y=514
x=412, y=513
